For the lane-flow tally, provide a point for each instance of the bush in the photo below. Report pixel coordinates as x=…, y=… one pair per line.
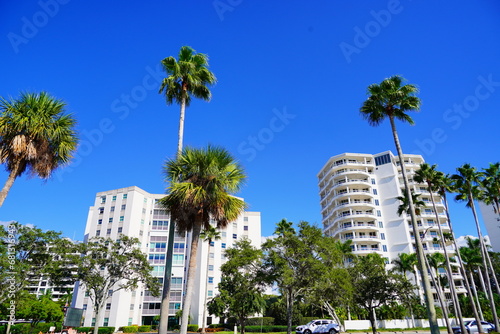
x=192, y=328
x=102, y=330
x=265, y=329
x=20, y=329
x=216, y=326
x=257, y=321
x=144, y=328
x=129, y=329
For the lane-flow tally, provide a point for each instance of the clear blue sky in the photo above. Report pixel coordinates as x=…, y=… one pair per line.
x=292, y=74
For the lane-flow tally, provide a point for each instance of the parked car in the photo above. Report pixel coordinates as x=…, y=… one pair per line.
x=320, y=326
x=471, y=327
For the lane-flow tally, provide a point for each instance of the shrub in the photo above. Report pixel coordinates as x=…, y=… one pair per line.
x=305, y=320
x=266, y=329
x=129, y=329
x=144, y=328
x=258, y=321
x=192, y=328
x=216, y=326
x=102, y=330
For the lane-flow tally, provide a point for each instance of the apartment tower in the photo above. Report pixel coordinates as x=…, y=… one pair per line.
x=359, y=202
x=134, y=212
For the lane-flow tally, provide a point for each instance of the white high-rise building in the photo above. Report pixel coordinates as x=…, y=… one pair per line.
x=134, y=212
x=492, y=222
x=358, y=197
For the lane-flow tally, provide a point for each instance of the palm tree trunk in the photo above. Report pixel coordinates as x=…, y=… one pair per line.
x=167, y=278
x=8, y=184
x=453, y=290
x=483, y=250
x=204, y=320
x=462, y=267
x=186, y=306
x=476, y=296
x=181, y=127
x=493, y=274
x=440, y=295
x=429, y=299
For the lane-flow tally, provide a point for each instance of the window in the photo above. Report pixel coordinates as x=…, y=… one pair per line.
x=112, y=209
x=223, y=245
x=210, y=293
x=84, y=307
x=110, y=220
x=157, y=246
x=235, y=236
x=120, y=229
x=212, y=255
x=245, y=219
x=99, y=222
x=103, y=199
x=210, y=267
x=108, y=306
x=384, y=248
x=123, y=207
x=178, y=259
x=377, y=202
x=97, y=233
x=122, y=218
x=106, y=322
x=245, y=228
x=174, y=307
x=110, y=293
x=211, y=280
x=382, y=160
x=158, y=270
x=176, y=282
x=235, y=225
x=157, y=258
x=145, y=200
x=101, y=210
x=379, y=214
x=108, y=231
x=375, y=192
x=382, y=236
x=143, y=211
x=179, y=247
x=93, y=322
x=114, y=198
x=212, y=243
x=373, y=181
x=132, y=307
x=223, y=234
x=159, y=225
x=124, y=196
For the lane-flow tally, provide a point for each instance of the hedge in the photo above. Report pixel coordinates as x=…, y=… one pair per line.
x=266, y=329
x=257, y=321
x=192, y=328
x=144, y=328
x=216, y=326
x=102, y=330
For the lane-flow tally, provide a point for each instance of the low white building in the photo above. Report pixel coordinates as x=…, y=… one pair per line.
x=134, y=212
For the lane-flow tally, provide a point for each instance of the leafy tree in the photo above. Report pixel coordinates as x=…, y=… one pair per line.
x=35, y=136
x=27, y=252
x=290, y=262
x=374, y=286
x=188, y=76
x=209, y=235
x=241, y=288
x=107, y=266
x=466, y=184
x=39, y=309
x=390, y=99
x=201, y=184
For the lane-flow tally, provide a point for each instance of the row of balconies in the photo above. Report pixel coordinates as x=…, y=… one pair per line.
x=347, y=162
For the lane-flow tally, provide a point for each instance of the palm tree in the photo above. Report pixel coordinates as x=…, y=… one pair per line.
x=201, y=184
x=405, y=262
x=429, y=175
x=188, y=76
x=472, y=261
x=284, y=227
x=405, y=203
x=466, y=183
x=491, y=186
x=209, y=235
x=390, y=99
x=35, y=136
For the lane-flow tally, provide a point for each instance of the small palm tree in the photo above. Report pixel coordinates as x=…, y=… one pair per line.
x=201, y=184
x=405, y=262
x=209, y=235
x=390, y=99
x=405, y=203
x=491, y=186
x=284, y=227
x=466, y=184
x=35, y=136
x=472, y=261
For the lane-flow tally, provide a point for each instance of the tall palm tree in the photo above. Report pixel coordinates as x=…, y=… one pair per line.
x=431, y=177
x=390, y=99
x=35, y=136
x=491, y=186
x=445, y=184
x=405, y=262
x=201, y=184
x=209, y=235
x=405, y=203
x=466, y=184
x=188, y=76
x=472, y=261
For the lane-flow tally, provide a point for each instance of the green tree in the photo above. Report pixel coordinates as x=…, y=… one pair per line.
x=39, y=309
x=241, y=290
x=27, y=252
x=290, y=261
x=471, y=262
x=390, y=99
x=466, y=184
x=186, y=76
x=209, y=235
x=35, y=136
x=491, y=186
x=201, y=184
x=374, y=286
x=107, y=266
x=405, y=262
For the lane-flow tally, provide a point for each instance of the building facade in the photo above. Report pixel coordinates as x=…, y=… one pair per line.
x=359, y=202
x=492, y=222
x=134, y=212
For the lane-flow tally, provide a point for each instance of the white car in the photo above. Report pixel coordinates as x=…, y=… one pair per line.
x=320, y=326
x=471, y=327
